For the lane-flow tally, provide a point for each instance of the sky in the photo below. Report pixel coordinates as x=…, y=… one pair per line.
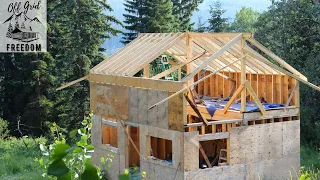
x=231, y=6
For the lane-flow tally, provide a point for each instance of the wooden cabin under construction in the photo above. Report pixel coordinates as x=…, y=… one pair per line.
x=197, y=106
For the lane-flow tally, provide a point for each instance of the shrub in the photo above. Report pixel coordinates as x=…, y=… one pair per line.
x=4, y=131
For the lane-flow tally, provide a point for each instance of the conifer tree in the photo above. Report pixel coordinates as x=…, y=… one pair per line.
x=217, y=23
x=22, y=26
x=10, y=29
x=134, y=19
x=200, y=25
x=182, y=11
x=159, y=16
x=16, y=25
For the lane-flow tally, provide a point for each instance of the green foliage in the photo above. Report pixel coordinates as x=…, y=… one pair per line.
x=201, y=26
x=245, y=20
x=292, y=31
x=182, y=12
x=4, y=131
x=217, y=23
x=62, y=161
x=17, y=160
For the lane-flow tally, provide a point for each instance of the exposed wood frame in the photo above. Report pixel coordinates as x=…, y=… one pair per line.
x=276, y=58
x=207, y=62
x=243, y=80
x=215, y=35
x=233, y=98
x=168, y=71
x=184, y=89
x=291, y=95
x=255, y=97
x=194, y=107
x=72, y=83
x=204, y=156
x=215, y=136
x=254, y=54
x=146, y=71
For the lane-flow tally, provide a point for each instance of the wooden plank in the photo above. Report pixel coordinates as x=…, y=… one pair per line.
x=176, y=112
x=171, y=86
x=118, y=96
x=255, y=97
x=207, y=62
x=233, y=98
x=215, y=35
x=105, y=131
x=189, y=86
x=209, y=137
x=258, y=56
x=291, y=96
x=204, y=156
x=276, y=58
x=243, y=80
x=285, y=89
x=72, y=83
x=93, y=97
x=146, y=73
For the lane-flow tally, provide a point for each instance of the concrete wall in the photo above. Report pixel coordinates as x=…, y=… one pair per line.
x=157, y=169
x=266, y=151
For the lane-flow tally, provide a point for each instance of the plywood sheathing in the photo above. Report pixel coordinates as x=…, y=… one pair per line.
x=177, y=145
x=96, y=134
x=118, y=97
x=105, y=152
x=191, y=151
x=264, y=142
x=236, y=172
x=140, y=100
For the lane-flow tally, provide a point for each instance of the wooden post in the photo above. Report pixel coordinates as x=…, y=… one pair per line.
x=189, y=54
x=146, y=71
x=243, y=78
x=179, y=74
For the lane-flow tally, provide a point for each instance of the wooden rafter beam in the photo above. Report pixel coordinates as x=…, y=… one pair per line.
x=291, y=95
x=276, y=58
x=166, y=72
x=72, y=83
x=256, y=55
x=191, y=85
x=233, y=98
x=255, y=97
x=207, y=62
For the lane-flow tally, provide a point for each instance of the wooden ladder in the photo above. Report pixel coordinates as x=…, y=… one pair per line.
x=223, y=158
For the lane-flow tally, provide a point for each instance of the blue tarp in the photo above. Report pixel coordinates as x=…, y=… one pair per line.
x=213, y=105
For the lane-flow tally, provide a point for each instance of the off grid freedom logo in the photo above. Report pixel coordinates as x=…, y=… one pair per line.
x=23, y=26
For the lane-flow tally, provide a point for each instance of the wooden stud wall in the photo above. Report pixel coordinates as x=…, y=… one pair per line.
x=109, y=135
x=161, y=147
x=274, y=88
x=134, y=159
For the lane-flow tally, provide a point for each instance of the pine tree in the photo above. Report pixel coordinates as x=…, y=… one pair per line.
x=182, y=11
x=16, y=25
x=159, y=16
x=134, y=19
x=201, y=25
x=10, y=29
x=84, y=26
x=22, y=26
x=217, y=23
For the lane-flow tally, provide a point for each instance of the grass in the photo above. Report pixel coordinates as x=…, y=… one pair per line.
x=310, y=161
x=17, y=160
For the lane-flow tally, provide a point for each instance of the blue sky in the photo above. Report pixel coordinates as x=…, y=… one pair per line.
x=232, y=6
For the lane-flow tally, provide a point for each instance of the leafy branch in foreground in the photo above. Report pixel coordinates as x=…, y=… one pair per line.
x=65, y=162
